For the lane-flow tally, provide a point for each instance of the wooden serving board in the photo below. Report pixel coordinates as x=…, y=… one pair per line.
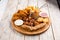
x=7, y=32
x=39, y=31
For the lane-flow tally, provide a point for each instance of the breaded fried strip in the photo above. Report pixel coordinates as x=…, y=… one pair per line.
x=38, y=26
x=26, y=27
x=21, y=13
x=35, y=27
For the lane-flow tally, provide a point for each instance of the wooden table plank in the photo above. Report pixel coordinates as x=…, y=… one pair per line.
x=32, y=3
x=5, y=34
x=13, y=8
x=55, y=17
x=8, y=33
x=3, y=4
x=21, y=5
x=48, y=35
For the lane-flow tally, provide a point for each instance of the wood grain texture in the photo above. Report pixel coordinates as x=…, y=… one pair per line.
x=32, y=3
x=5, y=34
x=13, y=8
x=17, y=35
x=22, y=4
x=3, y=4
x=8, y=33
x=48, y=34
x=55, y=14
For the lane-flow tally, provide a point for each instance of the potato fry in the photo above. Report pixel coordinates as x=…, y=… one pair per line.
x=40, y=19
x=45, y=20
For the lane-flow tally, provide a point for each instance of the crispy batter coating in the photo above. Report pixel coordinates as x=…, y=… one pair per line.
x=32, y=22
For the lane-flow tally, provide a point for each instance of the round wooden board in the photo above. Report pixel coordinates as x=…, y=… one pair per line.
x=41, y=30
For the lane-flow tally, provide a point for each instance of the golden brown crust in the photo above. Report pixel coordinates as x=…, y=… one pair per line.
x=33, y=28
x=31, y=25
x=21, y=30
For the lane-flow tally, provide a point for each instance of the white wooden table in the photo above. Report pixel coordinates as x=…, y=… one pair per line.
x=7, y=32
